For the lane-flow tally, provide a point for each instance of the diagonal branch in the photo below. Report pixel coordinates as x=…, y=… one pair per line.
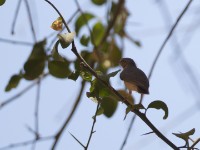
x=15, y=17
x=167, y=38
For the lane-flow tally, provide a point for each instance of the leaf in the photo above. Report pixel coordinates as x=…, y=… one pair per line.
x=86, y=75
x=35, y=64
x=85, y=40
x=185, y=136
x=128, y=109
x=57, y=24
x=99, y=2
x=74, y=75
x=112, y=74
x=159, y=105
x=97, y=33
x=115, y=54
x=82, y=20
x=38, y=51
x=2, y=2
x=13, y=82
x=59, y=69
x=56, y=56
x=109, y=105
x=66, y=39
x=33, y=68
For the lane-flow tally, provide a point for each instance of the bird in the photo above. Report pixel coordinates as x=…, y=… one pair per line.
x=133, y=77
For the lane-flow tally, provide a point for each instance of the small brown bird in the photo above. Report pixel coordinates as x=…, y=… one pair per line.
x=134, y=78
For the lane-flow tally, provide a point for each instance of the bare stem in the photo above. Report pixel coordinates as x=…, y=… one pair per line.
x=30, y=20
x=15, y=17
x=92, y=129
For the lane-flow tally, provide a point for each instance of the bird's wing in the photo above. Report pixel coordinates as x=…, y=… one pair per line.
x=135, y=76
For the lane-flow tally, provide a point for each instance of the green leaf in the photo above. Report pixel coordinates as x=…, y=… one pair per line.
x=38, y=51
x=59, y=69
x=97, y=33
x=99, y=2
x=2, y=2
x=86, y=75
x=66, y=39
x=82, y=20
x=185, y=136
x=56, y=56
x=13, y=82
x=35, y=64
x=85, y=40
x=115, y=54
x=74, y=75
x=33, y=68
x=128, y=109
x=112, y=74
x=159, y=105
x=109, y=105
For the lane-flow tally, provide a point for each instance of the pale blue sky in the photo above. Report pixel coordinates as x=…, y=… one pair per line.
x=169, y=81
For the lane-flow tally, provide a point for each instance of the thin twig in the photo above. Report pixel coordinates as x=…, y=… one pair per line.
x=92, y=129
x=30, y=20
x=15, y=145
x=15, y=17
x=159, y=52
x=8, y=101
x=167, y=38
x=77, y=140
x=37, y=102
x=16, y=42
x=68, y=119
x=122, y=99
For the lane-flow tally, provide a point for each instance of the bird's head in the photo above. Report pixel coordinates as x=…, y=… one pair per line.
x=125, y=62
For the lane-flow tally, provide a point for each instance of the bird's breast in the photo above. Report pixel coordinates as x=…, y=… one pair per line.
x=130, y=86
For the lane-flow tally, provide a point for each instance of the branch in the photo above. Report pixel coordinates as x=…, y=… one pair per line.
x=37, y=113
x=16, y=42
x=15, y=17
x=68, y=119
x=122, y=99
x=167, y=38
x=92, y=129
x=156, y=59
x=30, y=20
x=15, y=145
x=8, y=101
